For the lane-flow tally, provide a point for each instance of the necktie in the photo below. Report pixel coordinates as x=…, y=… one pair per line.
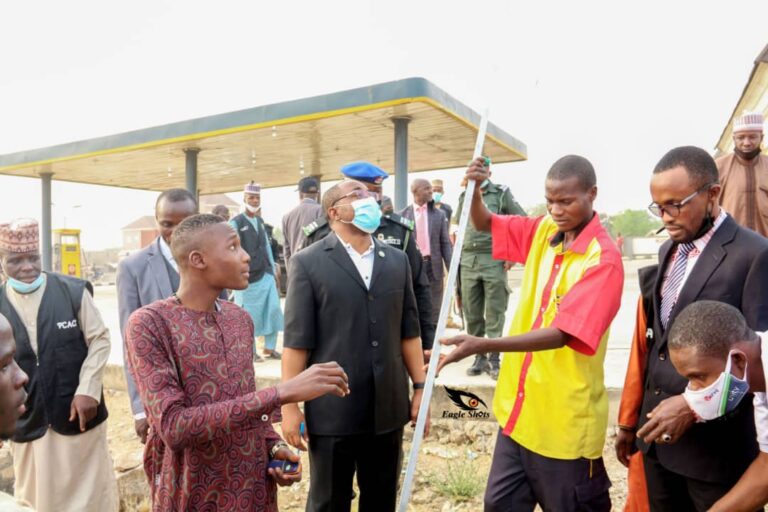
x=674, y=280
x=422, y=231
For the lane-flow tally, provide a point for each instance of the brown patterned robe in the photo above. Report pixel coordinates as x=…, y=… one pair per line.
x=745, y=190
x=211, y=431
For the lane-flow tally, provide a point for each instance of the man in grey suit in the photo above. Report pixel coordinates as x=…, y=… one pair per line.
x=308, y=210
x=432, y=239
x=148, y=275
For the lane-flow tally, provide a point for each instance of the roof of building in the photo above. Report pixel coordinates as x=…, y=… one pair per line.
x=276, y=144
x=146, y=222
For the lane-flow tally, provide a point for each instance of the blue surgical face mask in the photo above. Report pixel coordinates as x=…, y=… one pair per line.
x=24, y=288
x=437, y=196
x=367, y=214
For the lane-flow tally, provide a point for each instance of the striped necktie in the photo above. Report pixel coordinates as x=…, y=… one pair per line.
x=674, y=280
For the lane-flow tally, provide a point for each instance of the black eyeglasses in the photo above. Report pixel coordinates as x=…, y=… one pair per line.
x=673, y=209
x=358, y=193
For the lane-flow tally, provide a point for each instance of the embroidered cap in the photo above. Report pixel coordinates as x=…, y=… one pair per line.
x=252, y=188
x=20, y=235
x=748, y=122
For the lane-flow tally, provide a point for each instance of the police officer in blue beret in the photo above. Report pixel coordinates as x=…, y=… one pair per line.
x=394, y=230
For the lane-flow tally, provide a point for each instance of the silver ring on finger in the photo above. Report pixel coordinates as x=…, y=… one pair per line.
x=666, y=438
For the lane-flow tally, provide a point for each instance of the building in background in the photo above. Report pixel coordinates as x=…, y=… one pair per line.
x=140, y=233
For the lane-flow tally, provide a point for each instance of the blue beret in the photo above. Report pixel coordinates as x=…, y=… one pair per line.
x=364, y=171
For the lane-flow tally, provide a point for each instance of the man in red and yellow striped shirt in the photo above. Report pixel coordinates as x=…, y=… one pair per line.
x=550, y=398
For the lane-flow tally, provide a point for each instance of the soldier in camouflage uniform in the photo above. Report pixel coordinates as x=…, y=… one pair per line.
x=484, y=292
x=393, y=230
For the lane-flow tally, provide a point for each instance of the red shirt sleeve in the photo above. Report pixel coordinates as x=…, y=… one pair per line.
x=588, y=308
x=512, y=236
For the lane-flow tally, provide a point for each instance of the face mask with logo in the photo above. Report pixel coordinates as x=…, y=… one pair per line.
x=367, y=215
x=720, y=397
x=24, y=288
x=437, y=196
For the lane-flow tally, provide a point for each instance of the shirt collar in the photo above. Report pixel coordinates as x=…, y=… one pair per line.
x=583, y=239
x=351, y=249
x=701, y=242
x=165, y=249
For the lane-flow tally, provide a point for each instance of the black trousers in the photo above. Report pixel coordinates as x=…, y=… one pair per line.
x=333, y=461
x=671, y=491
x=520, y=478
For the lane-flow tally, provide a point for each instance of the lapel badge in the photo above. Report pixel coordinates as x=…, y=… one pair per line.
x=380, y=236
x=381, y=254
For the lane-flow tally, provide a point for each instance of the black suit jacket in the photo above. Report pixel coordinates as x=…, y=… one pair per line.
x=733, y=268
x=330, y=313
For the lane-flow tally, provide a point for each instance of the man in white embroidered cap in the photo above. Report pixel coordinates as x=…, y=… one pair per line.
x=60, y=457
x=260, y=299
x=744, y=175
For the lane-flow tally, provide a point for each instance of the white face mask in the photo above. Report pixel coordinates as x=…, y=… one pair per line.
x=720, y=397
x=253, y=209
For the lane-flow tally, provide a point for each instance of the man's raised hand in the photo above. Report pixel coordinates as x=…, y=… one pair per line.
x=317, y=380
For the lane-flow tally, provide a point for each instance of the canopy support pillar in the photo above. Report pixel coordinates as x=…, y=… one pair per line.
x=190, y=170
x=45, y=221
x=401, y=162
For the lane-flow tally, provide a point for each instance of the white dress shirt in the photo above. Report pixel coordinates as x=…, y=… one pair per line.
x=167, y=254
x=699, y=245
x=363, y=262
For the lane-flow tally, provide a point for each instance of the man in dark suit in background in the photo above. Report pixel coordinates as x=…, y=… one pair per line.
x=690, y=465
x=432, y=239
x=351, y=300
x=307, y=211
x=148, y=275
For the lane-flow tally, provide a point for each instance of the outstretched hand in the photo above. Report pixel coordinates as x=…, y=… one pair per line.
x=317, y=380
x=464, y=345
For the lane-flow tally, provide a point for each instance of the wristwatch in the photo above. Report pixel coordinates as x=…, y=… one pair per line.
x=418, y=385
x=273, y=451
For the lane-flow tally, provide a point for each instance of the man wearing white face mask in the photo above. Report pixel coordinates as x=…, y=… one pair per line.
x=351, y=300
x=711, y=345
x=260, y=299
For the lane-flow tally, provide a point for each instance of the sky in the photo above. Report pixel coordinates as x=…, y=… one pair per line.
x=617, y=82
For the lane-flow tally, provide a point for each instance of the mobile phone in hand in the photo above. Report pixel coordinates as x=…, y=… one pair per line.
x=285, y=465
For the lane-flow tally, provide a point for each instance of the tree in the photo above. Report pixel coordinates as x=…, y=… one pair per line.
x=634, y=223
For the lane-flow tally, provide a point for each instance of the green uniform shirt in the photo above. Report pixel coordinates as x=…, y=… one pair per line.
x=498, y=199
